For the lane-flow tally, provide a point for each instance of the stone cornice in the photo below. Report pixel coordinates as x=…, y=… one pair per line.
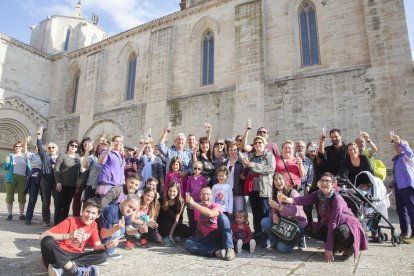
x=317, y=72
x=20, y=44
x=17, y=104
x=159, y=23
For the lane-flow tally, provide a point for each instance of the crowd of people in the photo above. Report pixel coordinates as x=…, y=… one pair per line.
x=139, y=194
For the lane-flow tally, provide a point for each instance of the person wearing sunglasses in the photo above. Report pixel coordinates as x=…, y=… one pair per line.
x=47, y=181
x=67, y=170
x=17, y=168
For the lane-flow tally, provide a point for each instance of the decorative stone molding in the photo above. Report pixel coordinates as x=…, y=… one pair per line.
x=17, y=104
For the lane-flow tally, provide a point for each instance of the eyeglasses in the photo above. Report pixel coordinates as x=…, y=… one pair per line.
x=18, y=146
x=326, y=180
x=74, y=146
x=197, y=169
x=238, y=140
x=50, y=147
x=262, y=131
x=221, y=144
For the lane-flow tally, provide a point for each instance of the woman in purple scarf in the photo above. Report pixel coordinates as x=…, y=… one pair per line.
x=338, y=227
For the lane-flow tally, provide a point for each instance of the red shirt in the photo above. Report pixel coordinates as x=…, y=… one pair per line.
x=71, y=224
x=293, y=170
x=244, y=234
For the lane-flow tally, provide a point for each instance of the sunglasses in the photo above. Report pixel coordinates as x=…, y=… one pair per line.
x=262, y=131
x=74, y=146
x=50, y=147
x=221, y=144
x=258, y=143
x=197, y=169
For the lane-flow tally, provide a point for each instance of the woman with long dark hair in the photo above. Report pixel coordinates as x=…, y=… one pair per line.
x=67, y=170
x=204, y=154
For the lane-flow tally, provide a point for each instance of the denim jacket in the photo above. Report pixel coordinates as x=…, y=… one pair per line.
x=10, y=168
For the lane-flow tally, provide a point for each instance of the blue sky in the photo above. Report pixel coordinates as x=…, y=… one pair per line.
x=115, y=15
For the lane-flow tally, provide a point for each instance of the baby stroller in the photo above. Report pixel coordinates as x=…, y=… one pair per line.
x=369, y=201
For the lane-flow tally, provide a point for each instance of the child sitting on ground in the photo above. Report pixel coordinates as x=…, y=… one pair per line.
x=242, y=234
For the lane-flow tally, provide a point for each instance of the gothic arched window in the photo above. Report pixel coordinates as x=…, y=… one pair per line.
x=208, y=58
x=75, y=92
x=66, y=46
x=132, y=68
x=308, y=34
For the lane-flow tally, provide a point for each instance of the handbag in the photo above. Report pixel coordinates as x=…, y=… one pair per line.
x=287, y=230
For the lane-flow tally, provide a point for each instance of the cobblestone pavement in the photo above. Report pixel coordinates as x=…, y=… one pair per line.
x=20, y=255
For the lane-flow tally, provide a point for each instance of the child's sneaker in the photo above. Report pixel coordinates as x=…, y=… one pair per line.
x=92, y=270
x=142, y=243
x=129, y=245
x=252, y=246
x=54, y=271
x=239, y=246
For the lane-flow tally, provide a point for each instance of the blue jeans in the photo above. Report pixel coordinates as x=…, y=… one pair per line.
x=116, y=235
x=280, y=246
x=33, y=187
x=221, y=238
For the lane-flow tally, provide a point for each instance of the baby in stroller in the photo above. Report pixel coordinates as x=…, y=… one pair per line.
x=373, y=202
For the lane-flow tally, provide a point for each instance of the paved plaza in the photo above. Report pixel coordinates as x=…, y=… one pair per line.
x=20, y=255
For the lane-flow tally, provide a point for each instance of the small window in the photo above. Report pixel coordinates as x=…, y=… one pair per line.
x=66, y=46
x=132, y=68
x=308, y=34
x=208, y=58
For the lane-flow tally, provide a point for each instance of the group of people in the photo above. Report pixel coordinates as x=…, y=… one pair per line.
x=140, y=194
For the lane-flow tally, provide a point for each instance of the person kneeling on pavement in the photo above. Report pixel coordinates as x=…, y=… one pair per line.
x=63, y=245
x=339, y=227
x=115, y=220
x=215, y=229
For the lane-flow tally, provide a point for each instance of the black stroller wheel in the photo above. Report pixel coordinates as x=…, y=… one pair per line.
x=381, y=237
x=395, y=240
x=399, y=240
x=385, y=236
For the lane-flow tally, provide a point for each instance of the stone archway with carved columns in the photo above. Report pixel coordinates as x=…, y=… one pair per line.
x=17, y=121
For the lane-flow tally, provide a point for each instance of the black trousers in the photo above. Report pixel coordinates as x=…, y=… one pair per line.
x=47, y=189
x=62, y=203
x=53, y=254
x=343, y=237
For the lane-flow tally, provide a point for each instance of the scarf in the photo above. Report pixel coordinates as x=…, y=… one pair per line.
x=324, y=199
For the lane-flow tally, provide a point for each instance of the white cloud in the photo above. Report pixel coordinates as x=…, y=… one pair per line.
x=125, y=14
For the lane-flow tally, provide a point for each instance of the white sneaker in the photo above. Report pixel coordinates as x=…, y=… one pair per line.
x=252, y=246
x=239, y=246
x=269, y=245
x=54, y=271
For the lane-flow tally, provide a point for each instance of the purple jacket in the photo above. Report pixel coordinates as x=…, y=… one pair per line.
x=112, y=169
x=404, y=168
x=335, y=214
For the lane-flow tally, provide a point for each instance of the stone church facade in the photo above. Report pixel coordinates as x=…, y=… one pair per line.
x=293, y=66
